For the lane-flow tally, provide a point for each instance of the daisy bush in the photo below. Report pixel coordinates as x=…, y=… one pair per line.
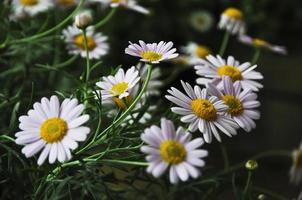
x=91, y=111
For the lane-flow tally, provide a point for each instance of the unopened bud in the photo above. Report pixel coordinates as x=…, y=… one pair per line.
x=82, y=20
x=261, y=197
x=251, y=165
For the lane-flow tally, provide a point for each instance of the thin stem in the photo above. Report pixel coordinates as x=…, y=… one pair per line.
x=248, y=183
x=40, y=35
x=87, y=68
x=7, y=138
x=106, y=19
x=224, y=156
x=224, y=43
x=256, y=56
x=270, y=193
x=125, y=162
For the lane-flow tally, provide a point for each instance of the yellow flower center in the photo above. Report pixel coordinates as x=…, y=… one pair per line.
x=151, y=56
x=202, y=51
x=122, y=103
x=234, y=104
x=172, y=152
x=29, y=2
x=233, y=13
x=80, y=42
x=231, y=71
x=119, y=88
x=204, y=109
x=259, y=42
x=53, y=130
x=66, y=2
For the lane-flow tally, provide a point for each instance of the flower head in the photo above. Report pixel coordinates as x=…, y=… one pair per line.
x=296, y=168
x=128, y=4
x=201, y=20
x=214, y=68
x=31, y=7
x=173, y=149
x=262, y=44
x=195, y=52
x=232, y=20
x=201, y=111
x=96, y=42
x=241, y=103
x=152, y=52
x=119, y=89
x=54, y=128
x=83, y=20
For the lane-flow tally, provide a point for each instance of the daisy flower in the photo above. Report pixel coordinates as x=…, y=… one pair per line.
x=173, y=149
x=259, y=43
x=195, y=52
x=296, y=168
x=232, y=21
x=152, y=52
x=201, y=111
x=128, y=4
x=241, y=103
x=66, y=3
x=119, y=89
x=202, y=21
x=31, y=7
x=54, y=128
x=96, y=42
x=214, y=68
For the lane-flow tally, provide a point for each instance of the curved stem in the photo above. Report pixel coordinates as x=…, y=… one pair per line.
x=256, y=56
x=106, y=19
x=40, y=35
x=224, y=43
x=247, y=185
x=125, y=162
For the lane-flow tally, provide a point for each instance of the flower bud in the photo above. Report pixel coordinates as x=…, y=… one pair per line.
x=251, y=165
x=82, y=20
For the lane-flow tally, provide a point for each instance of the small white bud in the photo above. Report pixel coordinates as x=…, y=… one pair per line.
x=83, y=19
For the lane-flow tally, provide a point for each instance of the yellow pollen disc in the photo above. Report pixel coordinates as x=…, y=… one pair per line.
x=172, y=152
x=231, y=71
x=151, y=56
x=234, y=104
x=298, y=159
x=122, y=103
x=53, y=130
x=119, y=88
x=259, y=43
x=233, y=13
x=66, y=2
x=80, y=42
x=29, y=2
x=202, y=51
x=204, y=109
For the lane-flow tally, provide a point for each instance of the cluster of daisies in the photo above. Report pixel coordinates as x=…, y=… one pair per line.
x=223, y=100
x=29, y=8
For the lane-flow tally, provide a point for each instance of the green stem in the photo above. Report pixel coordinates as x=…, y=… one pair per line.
x=224, y=156
x=40, y=35
x=270, y=193
x=224, y=43
x=106, y=19
x=87, y=68
x=7, y=138
x=247, y=185
x=125, y=162
x=256, y=56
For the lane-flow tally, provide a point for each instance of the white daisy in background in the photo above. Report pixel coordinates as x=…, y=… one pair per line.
x=295, y=172
x=128, y=4
x=232, y=20
x=203, y=112
x=30, y=7
x=259, y=43
x=66, y=3
x=153, y=88
x=195, y=52
x=173, y=149
x=96, y=42
x=201, y=20
x=214, y=68
x=119, y=89
x=54, y=128
x=152, y=52
x=241, y=103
